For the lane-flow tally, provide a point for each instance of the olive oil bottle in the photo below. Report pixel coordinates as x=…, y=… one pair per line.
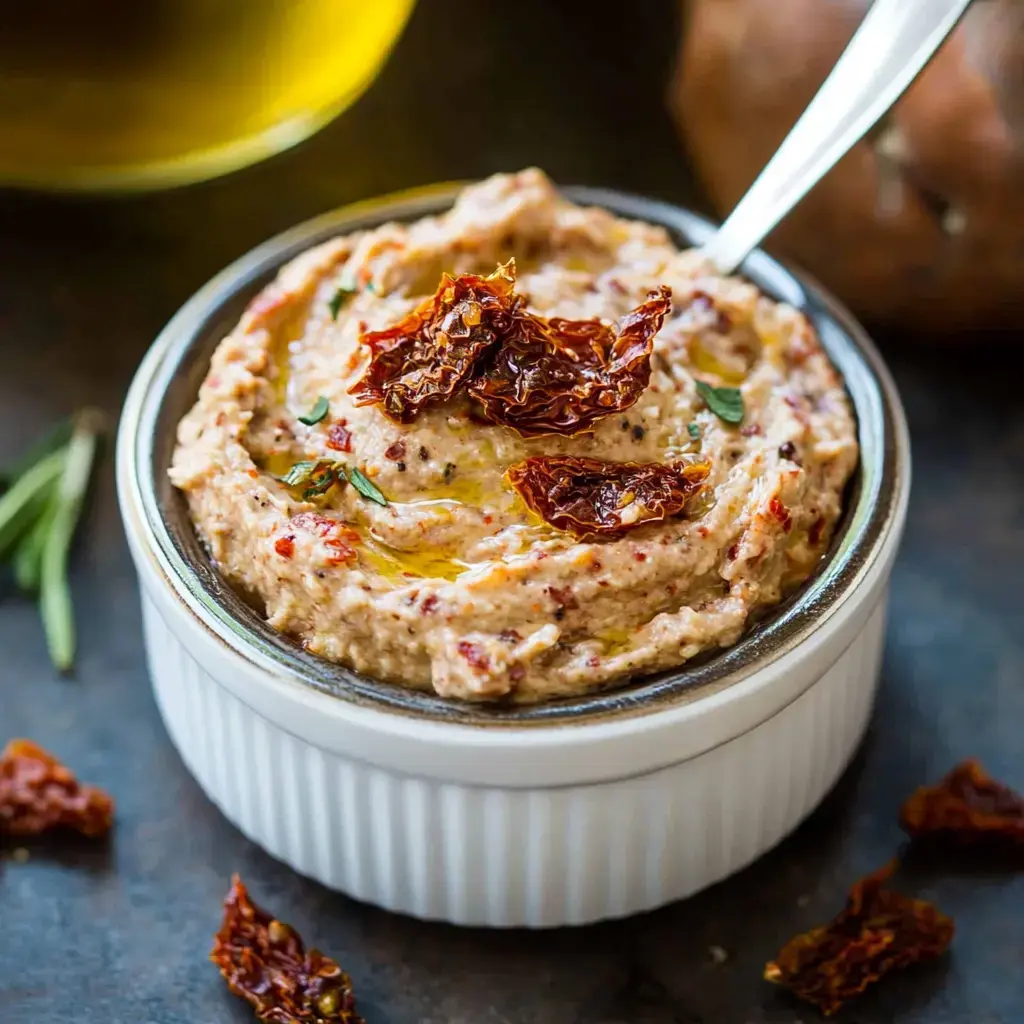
x=130, y=94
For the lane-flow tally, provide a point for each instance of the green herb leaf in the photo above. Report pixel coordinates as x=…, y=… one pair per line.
x=54, y=593
x=317, y=413
x=322, y=481
x=725, y=403
x=694, y=431
x=298, y=474
x=339, y=298
x=366, y=487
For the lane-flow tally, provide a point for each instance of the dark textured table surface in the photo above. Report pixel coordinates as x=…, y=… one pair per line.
x=119, y=934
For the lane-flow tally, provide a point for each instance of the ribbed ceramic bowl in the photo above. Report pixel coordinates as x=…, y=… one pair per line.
x=563, y=813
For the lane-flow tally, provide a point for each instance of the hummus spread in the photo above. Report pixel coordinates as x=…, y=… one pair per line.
x=403, y=550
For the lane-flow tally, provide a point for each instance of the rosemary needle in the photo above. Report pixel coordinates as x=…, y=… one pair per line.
x=28, y=558
x=20, y=506
x=54, y=592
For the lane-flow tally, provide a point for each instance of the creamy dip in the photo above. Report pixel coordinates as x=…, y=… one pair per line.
x=454, y=584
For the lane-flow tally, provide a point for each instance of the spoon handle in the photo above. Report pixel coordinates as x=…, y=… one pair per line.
x=894, y=42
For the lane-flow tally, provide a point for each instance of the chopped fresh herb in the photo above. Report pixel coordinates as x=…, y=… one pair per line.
x=366, y=487
x=371, y=287
x=725, y=403
x=339, y=298
x=449, y=471
x=693, y=430
x=317, y=413
x=298, y=474
x=321, y=481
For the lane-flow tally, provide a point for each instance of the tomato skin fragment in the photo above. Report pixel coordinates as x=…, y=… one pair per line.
x=878, y=931
x=266, y=963
x=591, y=497
x=966, y=808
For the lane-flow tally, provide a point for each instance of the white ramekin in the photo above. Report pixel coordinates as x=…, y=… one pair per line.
x=564, y=814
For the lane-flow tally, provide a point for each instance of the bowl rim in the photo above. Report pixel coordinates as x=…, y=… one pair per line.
x=872, y=525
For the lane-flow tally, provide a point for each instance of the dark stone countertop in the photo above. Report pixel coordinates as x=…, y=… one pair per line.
x=119, y=935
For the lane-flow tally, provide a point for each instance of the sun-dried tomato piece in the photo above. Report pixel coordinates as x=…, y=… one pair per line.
x=266, y=963
x=590, y=497
x=560, y=376
x=38, y=793
x=968, y=807
x=878, y=931
x=427, y=355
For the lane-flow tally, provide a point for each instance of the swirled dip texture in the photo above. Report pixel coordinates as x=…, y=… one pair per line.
x=456, y=584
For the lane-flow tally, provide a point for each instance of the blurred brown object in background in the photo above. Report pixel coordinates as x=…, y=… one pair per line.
x=922, y=224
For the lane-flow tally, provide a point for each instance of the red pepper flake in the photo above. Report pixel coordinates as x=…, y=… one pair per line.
x=733, y=553
x=340, y=538
x=781, y=513
x=285, y=546
x=563, y=597
x=267, y=964
x=429, y=605
x=705, y=304
x=639, y=556
x=752, y=430
x=38, y=793
x=877, y=932
x=475, y=655
x=968, y=808
x=339, y=437
x=814, y=533
x=395, y=451
x=591, y=497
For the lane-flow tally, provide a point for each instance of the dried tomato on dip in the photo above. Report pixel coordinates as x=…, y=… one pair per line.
x=878, y=931
x=266, y=963
x=557, y=376
x=38, y=793
x=428, y=354
x=968, y=808
x=528, y=372
x=592, y=497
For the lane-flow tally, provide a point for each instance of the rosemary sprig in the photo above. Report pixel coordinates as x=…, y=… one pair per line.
x=38, y=516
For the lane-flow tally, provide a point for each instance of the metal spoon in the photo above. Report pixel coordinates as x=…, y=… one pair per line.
x=894, y=42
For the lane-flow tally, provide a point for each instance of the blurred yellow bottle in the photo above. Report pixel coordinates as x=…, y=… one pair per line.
x=130, y=94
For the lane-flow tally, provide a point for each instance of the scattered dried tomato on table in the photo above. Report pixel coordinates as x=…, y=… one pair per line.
x=266, y=963
x=38, y=793
x=968, y=807
x=878, y=931
x=591, y=497
x=561, y=376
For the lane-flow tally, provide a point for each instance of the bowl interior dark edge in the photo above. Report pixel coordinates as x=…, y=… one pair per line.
x=184, y=367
